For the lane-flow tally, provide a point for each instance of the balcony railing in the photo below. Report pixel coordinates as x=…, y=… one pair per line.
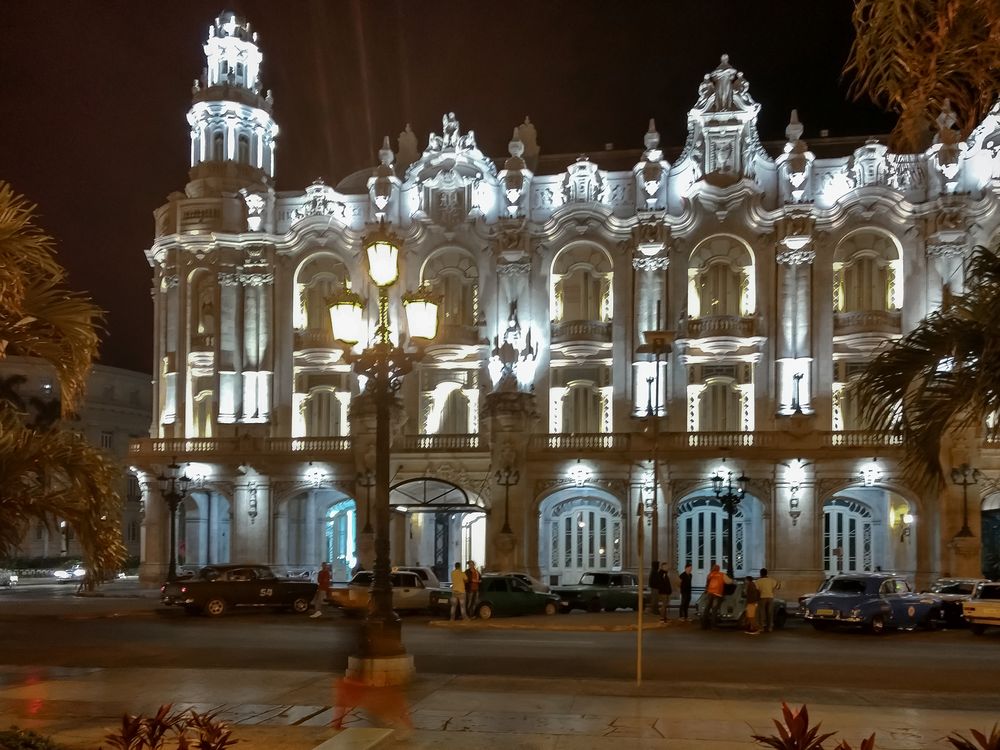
x=439, y=443
x=866, y=321
x=581, y=330
x=709, y=326
x=862, y=439
x=674, y=440
x=314, y=340
x=308, y=445
x=619, y=441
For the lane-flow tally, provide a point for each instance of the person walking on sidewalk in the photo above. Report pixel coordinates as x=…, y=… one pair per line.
x=664, y=590
x=685, y=577
x=753, y=598
x=322, y=589
x=767, y=586
x=472, y=588
x=458, y=592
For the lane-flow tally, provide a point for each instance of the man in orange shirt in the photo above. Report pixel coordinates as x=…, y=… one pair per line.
x=715, y=589
x=322, y=590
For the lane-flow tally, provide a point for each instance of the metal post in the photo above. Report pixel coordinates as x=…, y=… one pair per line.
x=172, y=499
x=509, y=479
x=965, y=475
x=367, y=481
x=640, y=536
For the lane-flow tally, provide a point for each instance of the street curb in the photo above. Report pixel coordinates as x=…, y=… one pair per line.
x=556, y=626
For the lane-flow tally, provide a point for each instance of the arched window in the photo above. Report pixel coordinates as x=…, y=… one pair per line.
x=455, y=414
x=582, y=533
x=847, y=536
x=323, y=413
x=702, y=540
x=317, y=279
x=218, y=146
x=340, y=535
x=582, y=409
x=581, y=285
x=453, y=274
x=720, y=407
x=867, y=274
x=202, y=409
x=721, y=279
x=243, y=149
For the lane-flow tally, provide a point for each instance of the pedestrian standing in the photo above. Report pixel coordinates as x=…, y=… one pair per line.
x=322, y=589
x=664, y=590
x=715, y=589
x=767, y=586
x=654, y=586
x=458, y=592
x=752, y=594
x=471, y=588
x=685, y=577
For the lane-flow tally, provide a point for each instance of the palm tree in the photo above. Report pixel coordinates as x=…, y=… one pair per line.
x=9, y=390
x=942, y=378
x=52, y=472
x=913, y=56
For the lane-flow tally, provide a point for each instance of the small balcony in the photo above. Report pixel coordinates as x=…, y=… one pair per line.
x=572, y=331
x=718, y=326
x=314, y=339
x=866, y=321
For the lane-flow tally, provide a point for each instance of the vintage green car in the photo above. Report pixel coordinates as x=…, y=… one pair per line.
x=501, y=595
x=597, y=591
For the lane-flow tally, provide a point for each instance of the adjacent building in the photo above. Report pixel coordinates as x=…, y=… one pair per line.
x=618, y=328
x=115, y=409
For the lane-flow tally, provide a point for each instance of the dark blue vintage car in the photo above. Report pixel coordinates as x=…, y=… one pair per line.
x=874, y=601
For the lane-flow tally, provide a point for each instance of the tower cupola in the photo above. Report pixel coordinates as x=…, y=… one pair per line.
x=232, y=131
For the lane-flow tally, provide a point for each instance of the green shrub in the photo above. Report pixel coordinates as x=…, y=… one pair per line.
x=25, y=739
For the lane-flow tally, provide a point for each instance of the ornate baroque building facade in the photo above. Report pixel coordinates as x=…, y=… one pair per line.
x=778, y=274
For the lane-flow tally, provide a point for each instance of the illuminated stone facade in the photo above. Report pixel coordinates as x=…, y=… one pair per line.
x=778, y=270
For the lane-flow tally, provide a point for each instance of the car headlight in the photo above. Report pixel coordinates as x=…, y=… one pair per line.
x=855, y=613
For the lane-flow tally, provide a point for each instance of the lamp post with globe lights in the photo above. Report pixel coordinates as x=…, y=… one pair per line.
x=383, y=365
x=964, y=476
x=730, y=497
x=173, y=488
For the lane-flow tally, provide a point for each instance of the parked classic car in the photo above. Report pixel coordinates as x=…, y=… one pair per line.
x=734, y=606
x=597, y=591
x=8, y=578
x=408, y=592
x=503, y=594
x=216, y=588
x=874, y=601
x=954, y=592
x=982, y=610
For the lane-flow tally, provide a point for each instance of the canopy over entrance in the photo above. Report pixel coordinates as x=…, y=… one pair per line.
x=427, y=494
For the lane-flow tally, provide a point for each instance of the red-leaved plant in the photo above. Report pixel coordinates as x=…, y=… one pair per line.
x=797, y=734
x=985, y=743
x=188, y=730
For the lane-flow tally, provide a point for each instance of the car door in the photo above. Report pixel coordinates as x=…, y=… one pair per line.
x=408, y=592
x=892, y=594
x=522, y=598
x=497, y=593
x=271, y=590
x=241, y=586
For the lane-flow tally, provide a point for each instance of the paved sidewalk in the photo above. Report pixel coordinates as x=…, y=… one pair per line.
x=292, y=710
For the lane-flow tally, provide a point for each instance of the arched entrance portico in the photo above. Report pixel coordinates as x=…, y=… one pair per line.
x=318, y=525
x=702, y=536
x=867, y=529
x=580, y=529
x=204, y=522
x=442, y=524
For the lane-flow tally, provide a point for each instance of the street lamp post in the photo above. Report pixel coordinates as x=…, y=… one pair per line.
x=658, y=344
x=730, y=497
x=383, y=364
x=965, y=475
x=173, y=488
x=507, y=479
x=367, y=480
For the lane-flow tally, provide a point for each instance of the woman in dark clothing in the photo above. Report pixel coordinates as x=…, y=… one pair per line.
x=664, y=590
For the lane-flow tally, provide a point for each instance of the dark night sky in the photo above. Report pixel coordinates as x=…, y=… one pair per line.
x=95, y=96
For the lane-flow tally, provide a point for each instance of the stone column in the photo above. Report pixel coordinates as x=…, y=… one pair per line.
x=793, y=347
x=508, y=417
x=155, y=538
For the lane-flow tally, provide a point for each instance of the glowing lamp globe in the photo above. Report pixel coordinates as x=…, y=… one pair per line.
x=421, y=313
x=382, y=247
x=346, y=319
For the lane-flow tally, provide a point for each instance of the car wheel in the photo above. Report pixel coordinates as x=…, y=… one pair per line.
x=877, y=625
x=550, y=608
x=780, y=617
x=485, y=611
x=215, y=607
x=300, y=605
x=594, y=605
x=978, y=628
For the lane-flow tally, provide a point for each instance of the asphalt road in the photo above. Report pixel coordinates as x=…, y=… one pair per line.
x=46, y=625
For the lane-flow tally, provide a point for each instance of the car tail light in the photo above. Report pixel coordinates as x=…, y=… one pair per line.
x=184, y=589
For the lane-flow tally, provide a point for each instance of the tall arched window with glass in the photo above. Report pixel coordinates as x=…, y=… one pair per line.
x=341, y=539
x=581, y=288
x=847, y=536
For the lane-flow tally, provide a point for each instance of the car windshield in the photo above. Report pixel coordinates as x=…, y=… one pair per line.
x=594, y=579
x=848, y=586
x=952, y=587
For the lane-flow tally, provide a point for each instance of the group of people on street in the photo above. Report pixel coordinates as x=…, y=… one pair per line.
x=660, y=585
x=759, y=593
x=465, y=590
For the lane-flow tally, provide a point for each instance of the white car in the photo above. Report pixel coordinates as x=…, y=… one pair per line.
x=8, y=578
x=982, y=609
x=74, y=572
x=408, y=592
